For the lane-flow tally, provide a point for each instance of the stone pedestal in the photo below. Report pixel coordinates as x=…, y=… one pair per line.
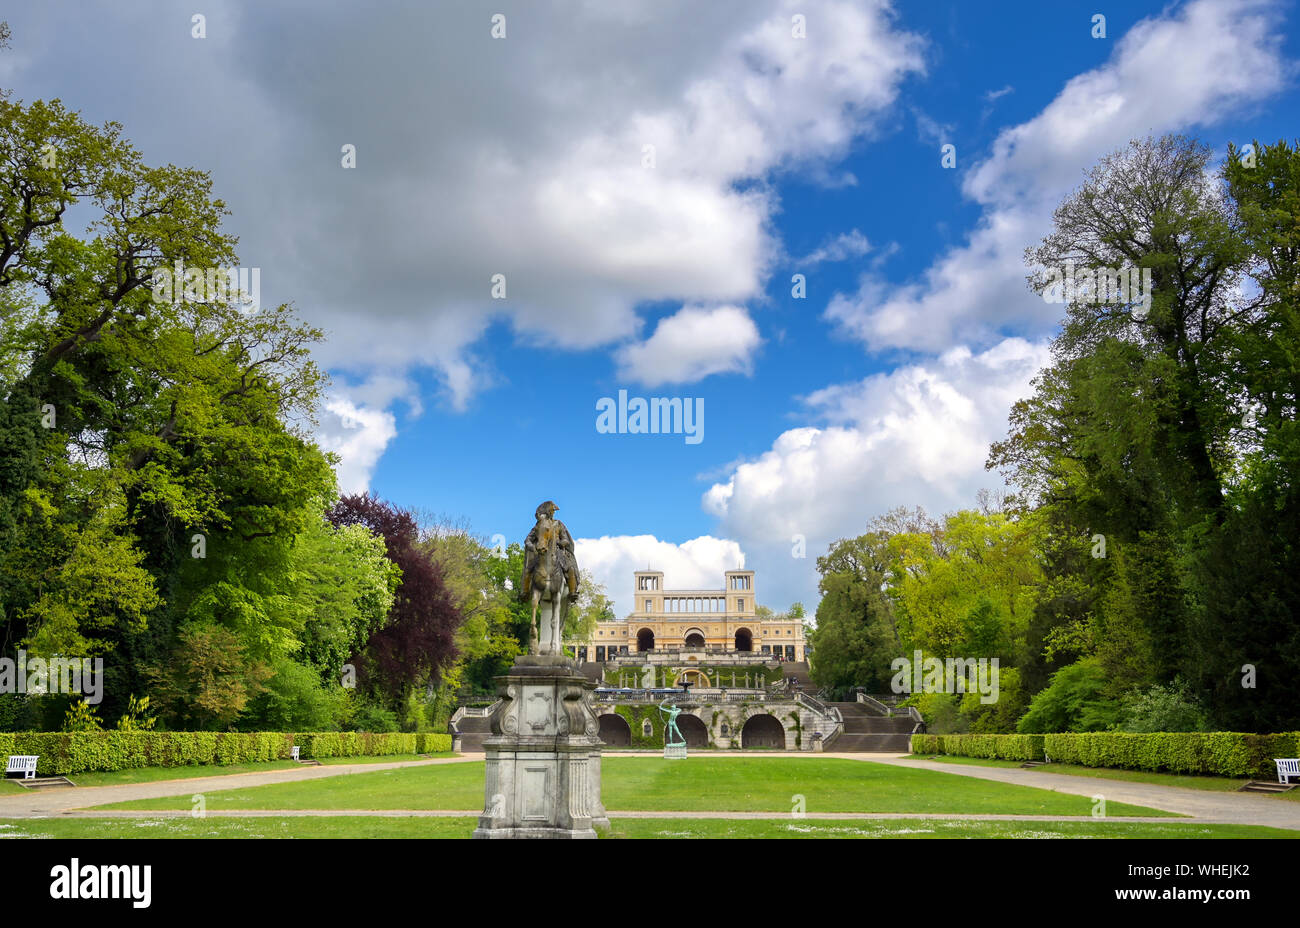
x=543, y=756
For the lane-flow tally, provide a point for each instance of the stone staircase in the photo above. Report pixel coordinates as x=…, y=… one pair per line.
x=1265, y=786
x=59, y=782
x=799, y=670
x=866, y=730
x=471, y=728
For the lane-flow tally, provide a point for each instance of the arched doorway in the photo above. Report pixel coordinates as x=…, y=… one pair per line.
x=763, y=731
x=694, y=730
x=694, y=678
x=694, y=639
x=744, y=639
x=645, y=640
x=615, y=731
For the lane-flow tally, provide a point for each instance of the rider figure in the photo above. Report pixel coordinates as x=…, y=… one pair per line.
x=564, y=555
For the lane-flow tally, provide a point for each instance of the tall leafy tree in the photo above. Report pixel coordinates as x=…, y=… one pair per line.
x=418, y=640
x=156, y=472
x=855, y=639
x=1168, y=432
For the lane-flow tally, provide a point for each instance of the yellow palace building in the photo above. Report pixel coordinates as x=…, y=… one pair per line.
x=701, y=621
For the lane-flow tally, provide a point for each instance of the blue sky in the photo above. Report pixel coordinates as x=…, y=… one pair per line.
x=774, y=155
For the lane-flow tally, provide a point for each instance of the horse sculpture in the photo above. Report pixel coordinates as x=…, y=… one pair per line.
x=549, y=588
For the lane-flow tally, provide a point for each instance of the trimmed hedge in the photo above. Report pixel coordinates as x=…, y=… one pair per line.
x=1220, y=753
x=356, y=743
x=998, y=747
x=432, y=742
x=101, y=751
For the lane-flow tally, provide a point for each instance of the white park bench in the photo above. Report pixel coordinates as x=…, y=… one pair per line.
x=22, y=763
x=296, y=749
x=1287, y=767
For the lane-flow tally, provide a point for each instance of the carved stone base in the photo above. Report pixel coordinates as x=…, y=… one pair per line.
x=543, y=756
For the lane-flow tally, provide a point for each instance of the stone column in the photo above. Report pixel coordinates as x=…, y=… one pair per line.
x=543, y=756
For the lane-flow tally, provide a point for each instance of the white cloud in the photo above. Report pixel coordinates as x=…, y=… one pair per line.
x=1190, y=68
x=521, y=156
x=916, y=435
x=695, y=564
x=690, y=345
x=930, y=130
x=844, y=246
x=475, y=157
x=358, y=435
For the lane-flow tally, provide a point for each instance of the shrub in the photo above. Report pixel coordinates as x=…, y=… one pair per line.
x=19, y=712
x=370, y=716
x=1220, y=753
x=70, y=753
x=356, y=744
x=1075, y=700
x=996, y=717
x=997, y=747
x=432, y=742
x=1163, y=708
x=941, y=711
x=295, y=698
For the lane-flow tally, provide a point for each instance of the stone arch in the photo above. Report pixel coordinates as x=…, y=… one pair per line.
x=694, y=638
x=744, y=639
x=763, y=731
x=695, y=678
x=693, y=730
x=615, y=731
x=645, y=640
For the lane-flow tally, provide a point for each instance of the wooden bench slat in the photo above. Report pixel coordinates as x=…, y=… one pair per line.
x=24, y=764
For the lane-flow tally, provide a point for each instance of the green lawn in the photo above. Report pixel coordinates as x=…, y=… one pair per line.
x=1189, y=781
x=925, y=828
x=710, y=783
x=155, y=774
x=456, y=827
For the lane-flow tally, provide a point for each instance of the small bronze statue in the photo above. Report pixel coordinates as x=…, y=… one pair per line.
x=670, y=725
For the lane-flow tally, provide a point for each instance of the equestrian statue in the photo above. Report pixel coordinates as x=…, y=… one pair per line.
x=550, y=579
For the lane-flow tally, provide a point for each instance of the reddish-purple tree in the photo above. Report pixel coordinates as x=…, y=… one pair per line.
x=418, y=638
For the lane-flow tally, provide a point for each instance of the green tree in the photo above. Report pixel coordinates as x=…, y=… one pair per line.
x=207, y=680
x=156, y=475
x=1169, y=432
x=1075, y=700
x=855, y=640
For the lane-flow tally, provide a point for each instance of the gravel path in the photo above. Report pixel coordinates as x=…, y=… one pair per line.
x=1199, y=806
x=47, y=802
x=1202, y=805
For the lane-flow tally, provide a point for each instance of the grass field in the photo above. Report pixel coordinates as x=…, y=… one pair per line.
x=158, y=774
x=729, y=784
x=457, y=827
x=1188, y=781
